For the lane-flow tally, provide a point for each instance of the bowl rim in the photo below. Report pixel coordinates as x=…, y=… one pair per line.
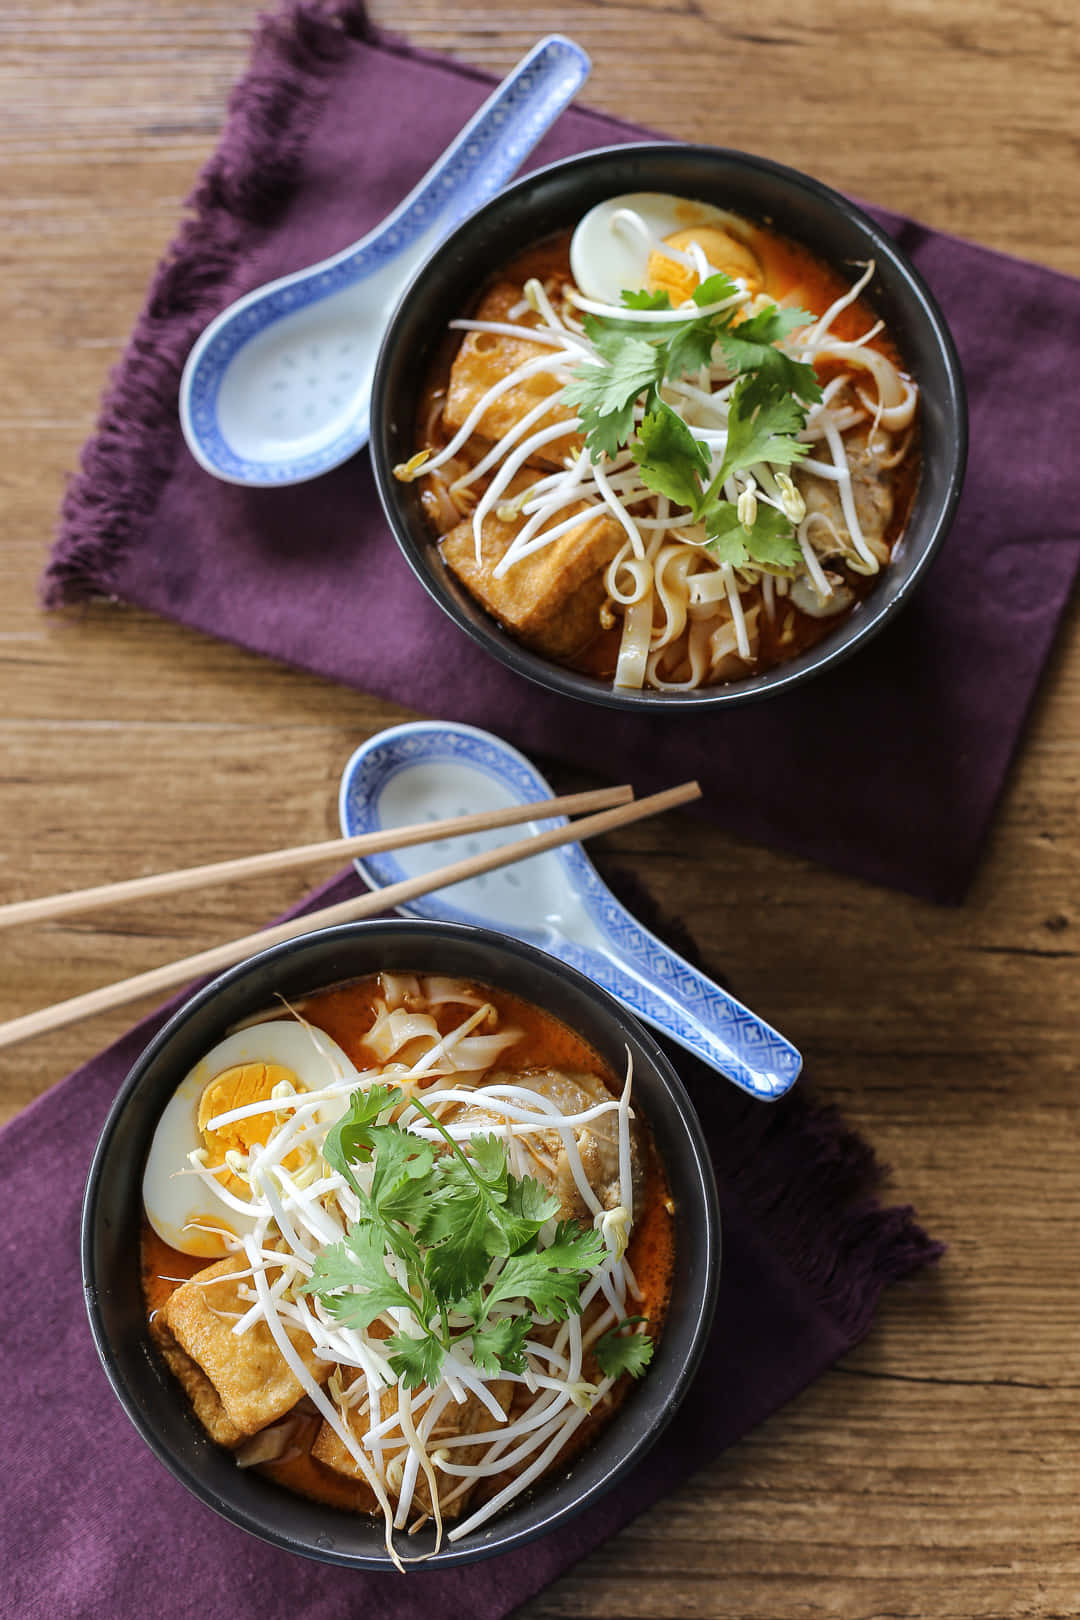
x=854, y=634
x=703, y=1193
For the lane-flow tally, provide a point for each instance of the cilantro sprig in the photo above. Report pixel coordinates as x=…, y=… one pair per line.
x=453, y=1238
x=767, y=410
x=621, y=1350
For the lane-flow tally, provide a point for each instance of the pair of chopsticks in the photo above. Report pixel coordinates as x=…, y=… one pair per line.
x=616, y=807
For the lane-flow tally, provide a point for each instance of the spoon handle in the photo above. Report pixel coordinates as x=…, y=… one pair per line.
x=663, y=989
x=478, y=163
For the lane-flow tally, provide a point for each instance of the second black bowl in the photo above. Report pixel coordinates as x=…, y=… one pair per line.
x=553, y=200
x=112, y=1213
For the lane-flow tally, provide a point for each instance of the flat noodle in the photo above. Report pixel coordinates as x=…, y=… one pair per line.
x=399, y=989
x=392, y=1031
x=439, y=991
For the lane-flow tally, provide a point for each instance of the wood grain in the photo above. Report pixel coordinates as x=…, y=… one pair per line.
x=174, y=975
x=936, y=1473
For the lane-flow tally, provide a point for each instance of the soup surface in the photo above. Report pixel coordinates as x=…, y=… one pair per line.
x=444, y=1246
x=680, y=485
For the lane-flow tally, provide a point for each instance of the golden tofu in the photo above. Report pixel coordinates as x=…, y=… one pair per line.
x=252, y=1379
x=483, y=360
x=470, y=1417
x=205, y=1401
x=551, y=600
x=331, y=1451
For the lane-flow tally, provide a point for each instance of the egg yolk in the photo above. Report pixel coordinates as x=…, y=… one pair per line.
x=239, y=1087
x=722, y=251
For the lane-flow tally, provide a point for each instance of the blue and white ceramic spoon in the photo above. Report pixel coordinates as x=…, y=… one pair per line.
x=427, y=770
x=276, y=389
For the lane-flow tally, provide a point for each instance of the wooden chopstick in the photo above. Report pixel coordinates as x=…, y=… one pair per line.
x=379, y=900
x=280, y=860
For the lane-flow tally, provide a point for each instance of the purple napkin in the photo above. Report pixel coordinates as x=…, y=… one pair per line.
x=97, y=1528
x=888, y=768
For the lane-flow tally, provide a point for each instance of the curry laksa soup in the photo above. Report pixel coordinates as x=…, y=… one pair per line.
x=405, y=1247
x=670, y=450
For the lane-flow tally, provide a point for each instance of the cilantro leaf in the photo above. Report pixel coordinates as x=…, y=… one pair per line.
x=415, y=1361
x=349, y=1141
x=575, y=1244
x=750, y=346
x=501, y=1344
x=689, y=344
x=639, y=355
x=528, y=1207
x=357, y=1262
x=467, y=1233
x=464, y=1225
x=606, y=435
x=632, y=368
x=619, y=1351
x=714, y=289
x=470, y=1240
x=641, y=298
x=550, y=1279
x=768, y=326
x=399, y=1156
x=487, y=1161
x=728, y=537
x=408, y=1203
x=771, y=541
x=671, y=460
x=762, y=423
x=604, y=395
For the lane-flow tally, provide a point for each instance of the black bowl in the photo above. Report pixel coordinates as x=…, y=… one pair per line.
x=112, y=1210
x=553, y=200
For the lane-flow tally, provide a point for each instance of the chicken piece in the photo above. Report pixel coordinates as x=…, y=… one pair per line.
x=871, y=488
x=551, y=599
x=205, y=1401
x=472, y=1416
x=251, y=1377
x=484, y=359
x=572, y=1092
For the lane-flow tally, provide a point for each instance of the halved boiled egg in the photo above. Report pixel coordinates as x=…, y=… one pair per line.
x=643, y=239
x=242, y=1070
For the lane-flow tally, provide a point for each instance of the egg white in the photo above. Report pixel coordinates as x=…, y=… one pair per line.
x=608, y=256
x=172, y=1200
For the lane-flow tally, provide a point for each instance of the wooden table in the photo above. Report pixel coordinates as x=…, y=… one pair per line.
x=937, y=1471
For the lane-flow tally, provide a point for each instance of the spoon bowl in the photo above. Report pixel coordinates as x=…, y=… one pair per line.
x=277, y=388
x=556, y=901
